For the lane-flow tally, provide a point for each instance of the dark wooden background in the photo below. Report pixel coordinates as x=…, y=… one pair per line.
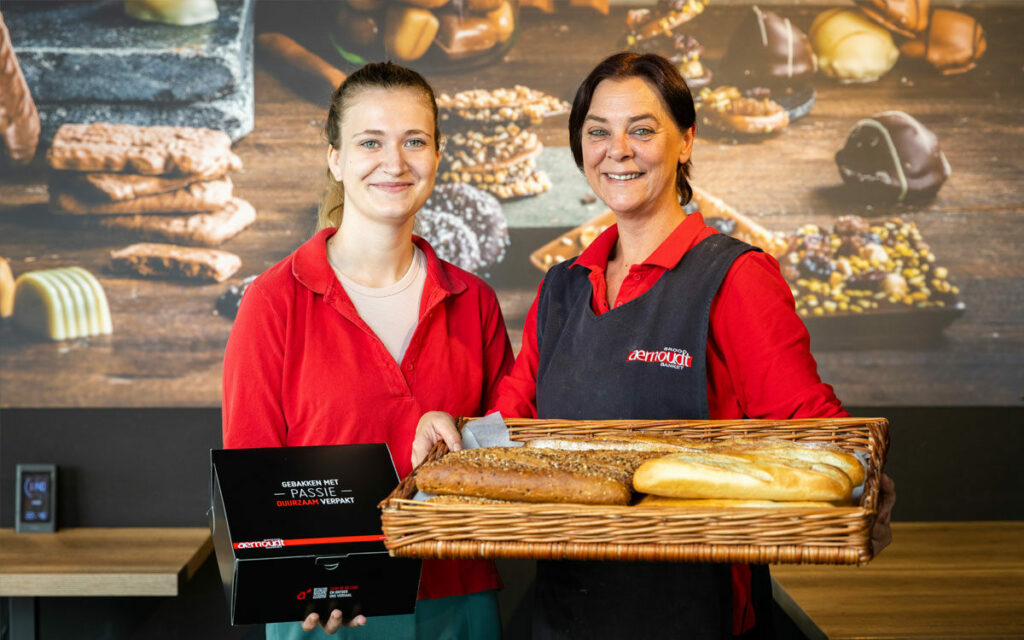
x=168, y=341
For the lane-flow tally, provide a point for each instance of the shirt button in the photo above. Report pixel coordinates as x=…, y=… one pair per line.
x=409, y=366
x=636, y=276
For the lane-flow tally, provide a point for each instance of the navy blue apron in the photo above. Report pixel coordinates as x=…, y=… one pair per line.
x=646, y=360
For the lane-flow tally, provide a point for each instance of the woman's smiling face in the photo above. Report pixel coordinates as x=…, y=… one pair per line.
x=388, y=156
x=632, y=147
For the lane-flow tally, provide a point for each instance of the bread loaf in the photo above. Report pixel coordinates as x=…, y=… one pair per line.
x=659, y=501
x=601, y=444
x=786, y=450
x=720, y=475
x=534, y=475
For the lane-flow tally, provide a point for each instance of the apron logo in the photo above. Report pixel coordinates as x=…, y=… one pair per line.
x=668, y=357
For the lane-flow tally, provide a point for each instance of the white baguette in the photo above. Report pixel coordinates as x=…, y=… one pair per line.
x=785, y=450
x=600, y=444
x=724, y=503
x=719, y=475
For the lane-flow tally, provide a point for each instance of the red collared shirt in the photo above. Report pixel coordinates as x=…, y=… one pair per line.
x=302, y=368
x=759, y=362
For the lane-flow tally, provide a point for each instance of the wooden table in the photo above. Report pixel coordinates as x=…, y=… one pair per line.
x=168, y=342
x=936, y=580
x=128, y=562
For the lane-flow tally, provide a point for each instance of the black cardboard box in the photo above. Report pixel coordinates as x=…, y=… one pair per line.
x=297, y=530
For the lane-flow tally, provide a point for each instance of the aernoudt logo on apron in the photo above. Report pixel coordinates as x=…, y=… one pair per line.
x=670, y=357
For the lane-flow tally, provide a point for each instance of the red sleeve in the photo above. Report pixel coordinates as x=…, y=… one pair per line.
x=517, y=394
x=498, y=356
x=759, y=353
x=253, y=365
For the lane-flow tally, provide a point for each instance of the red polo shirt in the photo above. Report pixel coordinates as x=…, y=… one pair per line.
x=302, y=368
x=759, y=359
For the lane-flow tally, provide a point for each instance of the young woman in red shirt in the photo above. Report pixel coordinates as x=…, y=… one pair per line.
x=658, y=280
x=352, y=337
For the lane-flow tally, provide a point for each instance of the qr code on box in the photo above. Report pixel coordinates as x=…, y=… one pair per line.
x=319, y=593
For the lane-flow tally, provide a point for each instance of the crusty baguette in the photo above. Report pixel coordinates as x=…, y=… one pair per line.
x=534, y=475
x=786, y=450
x=600, y=444
x=719, y=475
x=697, y=503
x=669, y=443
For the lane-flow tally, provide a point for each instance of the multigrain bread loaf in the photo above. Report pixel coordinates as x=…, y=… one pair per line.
x=534, y=475
x=721, y=475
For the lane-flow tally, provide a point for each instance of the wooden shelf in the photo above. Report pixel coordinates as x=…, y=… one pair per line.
x=101, y=562
x=936, y=580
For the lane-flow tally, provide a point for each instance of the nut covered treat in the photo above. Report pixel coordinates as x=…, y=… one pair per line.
x=668, y=16
x=464, y=225
x=891, y=156
x=519, y=104
x=859, y=267
x=491, y=147
x=19, y=120
x=728, y=110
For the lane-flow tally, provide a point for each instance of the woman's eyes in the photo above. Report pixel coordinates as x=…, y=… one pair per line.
x=639, y=131
x=415, y=143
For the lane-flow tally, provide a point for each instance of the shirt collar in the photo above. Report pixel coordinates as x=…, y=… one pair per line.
x=310, y=266
x=667, y=255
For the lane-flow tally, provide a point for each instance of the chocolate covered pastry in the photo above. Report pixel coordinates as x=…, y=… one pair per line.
x=19, y=120
x=128, y=148
x=892, y=156
x=850, y=47
x=766, y=50
x=905, y=17
x=953, y=43
x=464, y=225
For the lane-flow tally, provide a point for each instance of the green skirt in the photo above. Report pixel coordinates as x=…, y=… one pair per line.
x=469, y=617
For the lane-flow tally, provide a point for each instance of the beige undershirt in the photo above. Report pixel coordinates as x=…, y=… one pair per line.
x=391, y=311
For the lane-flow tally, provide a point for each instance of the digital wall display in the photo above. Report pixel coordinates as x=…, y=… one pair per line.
x=36, y=498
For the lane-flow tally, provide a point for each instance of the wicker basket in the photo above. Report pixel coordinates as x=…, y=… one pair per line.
x=834, y=535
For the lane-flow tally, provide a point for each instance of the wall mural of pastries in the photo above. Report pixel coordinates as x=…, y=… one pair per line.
x=156, y=156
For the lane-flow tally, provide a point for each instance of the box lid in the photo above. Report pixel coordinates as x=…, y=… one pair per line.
x=289, y=501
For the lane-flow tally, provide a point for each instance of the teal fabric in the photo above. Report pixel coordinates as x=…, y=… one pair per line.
x=469, y=617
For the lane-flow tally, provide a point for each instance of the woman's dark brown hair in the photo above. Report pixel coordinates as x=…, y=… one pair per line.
x=659, y=72
x=376, y=75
